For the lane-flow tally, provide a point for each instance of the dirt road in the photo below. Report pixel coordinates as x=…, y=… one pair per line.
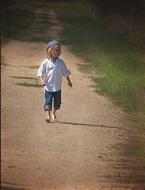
x=75, y=153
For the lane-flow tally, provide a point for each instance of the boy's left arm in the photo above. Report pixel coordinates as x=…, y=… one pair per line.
x=69, y=82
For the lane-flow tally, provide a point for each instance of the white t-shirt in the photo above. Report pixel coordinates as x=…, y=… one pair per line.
x=52, y=73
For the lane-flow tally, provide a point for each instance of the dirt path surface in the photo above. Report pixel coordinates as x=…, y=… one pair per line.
x=75, y=153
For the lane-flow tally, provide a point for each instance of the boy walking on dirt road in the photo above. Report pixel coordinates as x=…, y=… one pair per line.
x=50, y=72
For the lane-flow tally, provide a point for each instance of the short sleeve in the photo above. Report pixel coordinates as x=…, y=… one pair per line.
x=65, y=70
x=41, y=70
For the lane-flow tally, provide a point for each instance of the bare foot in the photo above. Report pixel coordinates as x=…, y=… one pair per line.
x=53, y=117
x=47, y=120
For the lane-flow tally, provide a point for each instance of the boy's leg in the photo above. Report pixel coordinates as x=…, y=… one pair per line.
x=54, y=114
x=48, y=105
x=57, y=103
x=48, y=116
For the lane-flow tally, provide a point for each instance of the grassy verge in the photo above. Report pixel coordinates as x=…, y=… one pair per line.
x=118, y=66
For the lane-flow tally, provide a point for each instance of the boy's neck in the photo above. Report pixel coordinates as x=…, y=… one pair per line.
x=53, y=59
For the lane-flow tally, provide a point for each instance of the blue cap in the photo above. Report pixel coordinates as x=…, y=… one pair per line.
x=53, y=43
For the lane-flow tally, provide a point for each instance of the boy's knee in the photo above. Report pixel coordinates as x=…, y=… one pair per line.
x=47, y=108
x=57, y=108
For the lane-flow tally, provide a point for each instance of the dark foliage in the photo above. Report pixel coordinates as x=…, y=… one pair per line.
x=5, y=5
x=134, y=7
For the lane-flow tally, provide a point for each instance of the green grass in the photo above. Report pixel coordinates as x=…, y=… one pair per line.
x=124, y=80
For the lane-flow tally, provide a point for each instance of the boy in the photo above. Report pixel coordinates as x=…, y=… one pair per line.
x=50, y=73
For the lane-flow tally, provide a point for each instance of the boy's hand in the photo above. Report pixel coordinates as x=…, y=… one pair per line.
x=42, y=81
x=69, y=83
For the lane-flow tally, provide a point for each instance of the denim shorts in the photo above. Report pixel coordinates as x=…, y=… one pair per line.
x=52, y=99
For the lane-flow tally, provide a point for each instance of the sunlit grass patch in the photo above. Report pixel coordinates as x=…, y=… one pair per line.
x=34, y=67
x=123, y=80
x=24, y=84
x=19, y=77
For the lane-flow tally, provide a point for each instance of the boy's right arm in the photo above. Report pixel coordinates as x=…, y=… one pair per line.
x=42, y=81
x=69, y=81
x=40, y=74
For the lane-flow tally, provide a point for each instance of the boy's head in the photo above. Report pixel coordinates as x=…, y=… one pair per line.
x=54, y=49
